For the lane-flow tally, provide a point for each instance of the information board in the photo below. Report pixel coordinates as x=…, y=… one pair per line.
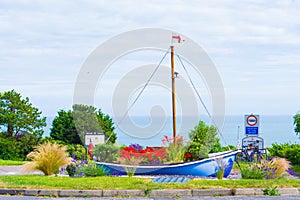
x=94, y=138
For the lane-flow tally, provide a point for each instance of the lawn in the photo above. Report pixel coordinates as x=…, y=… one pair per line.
x=11, y=162
x=115, y=183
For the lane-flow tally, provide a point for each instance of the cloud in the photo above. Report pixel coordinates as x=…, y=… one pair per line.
x=44, y=41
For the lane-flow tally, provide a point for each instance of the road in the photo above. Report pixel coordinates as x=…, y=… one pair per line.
x=293, y=197
x=15, y=170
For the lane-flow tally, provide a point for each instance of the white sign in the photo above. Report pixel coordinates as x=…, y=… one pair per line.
x=94, y=138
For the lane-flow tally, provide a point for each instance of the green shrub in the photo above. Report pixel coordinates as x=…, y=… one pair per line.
x=289, y=151
x=204, y=140
x=52, y=141
x=8, y=149
x=12, y=148
x=26, y=144
x=92, y=170
x=295, y=168
x=77, y=151
x=226, y=148
x=71, y=169
x=85, y=168
x=106, y=152
x=252, y=173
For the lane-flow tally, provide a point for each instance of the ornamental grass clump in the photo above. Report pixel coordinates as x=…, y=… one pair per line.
x=130, y=160
x=281, y=166
x=221, y=165
x=47, y=158
x=175, y=149
x=269, y=169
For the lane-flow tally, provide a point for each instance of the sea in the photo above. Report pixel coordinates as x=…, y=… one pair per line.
x=143, y=131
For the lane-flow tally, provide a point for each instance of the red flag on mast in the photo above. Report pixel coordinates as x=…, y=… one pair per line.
x=177, y=38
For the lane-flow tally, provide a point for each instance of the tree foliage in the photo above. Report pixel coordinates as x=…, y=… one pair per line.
x=63, y=128
x=70, y=126
x=203, y=141
x=286, y=150
x=21, y=126
x=106, y=152
x=18, y=116
x=297, y=123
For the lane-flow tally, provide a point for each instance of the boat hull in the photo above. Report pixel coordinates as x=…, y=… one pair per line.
x=206, y=167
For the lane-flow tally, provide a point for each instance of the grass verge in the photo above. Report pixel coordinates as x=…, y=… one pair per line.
x=115, y=183
x=11, y=162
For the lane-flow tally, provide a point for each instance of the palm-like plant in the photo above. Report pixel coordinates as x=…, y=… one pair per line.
x=47, y=158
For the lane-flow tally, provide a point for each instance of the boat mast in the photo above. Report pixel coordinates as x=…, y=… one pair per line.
x=173, y=93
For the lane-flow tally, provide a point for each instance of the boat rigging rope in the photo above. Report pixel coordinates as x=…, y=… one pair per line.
x=201, y=100
x=140, y=93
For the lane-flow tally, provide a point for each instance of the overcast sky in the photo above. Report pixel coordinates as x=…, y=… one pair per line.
x=254, y=44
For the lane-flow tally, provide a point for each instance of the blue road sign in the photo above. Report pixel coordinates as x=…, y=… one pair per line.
x=251, y=130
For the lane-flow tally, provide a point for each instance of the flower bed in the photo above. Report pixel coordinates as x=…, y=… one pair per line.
x=146, y=155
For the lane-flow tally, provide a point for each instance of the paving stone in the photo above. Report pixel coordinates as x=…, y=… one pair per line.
x=211, y=192
x=4, y=191
x=288, y=191
x=247, y=191
x=174, y=193
x=123, y=193
x=81, y=193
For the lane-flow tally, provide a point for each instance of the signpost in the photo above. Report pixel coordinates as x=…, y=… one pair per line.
x=251, y=124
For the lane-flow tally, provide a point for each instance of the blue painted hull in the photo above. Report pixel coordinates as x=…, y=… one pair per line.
x=206, y=167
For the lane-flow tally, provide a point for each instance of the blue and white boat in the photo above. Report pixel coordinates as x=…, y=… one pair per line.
x=205, y=168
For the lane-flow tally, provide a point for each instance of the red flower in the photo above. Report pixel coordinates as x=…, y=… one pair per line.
x=188, y=155
x=129, y=149
x=149, y=154
x=142, y=151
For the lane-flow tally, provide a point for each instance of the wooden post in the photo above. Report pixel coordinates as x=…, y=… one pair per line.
x=173, y=93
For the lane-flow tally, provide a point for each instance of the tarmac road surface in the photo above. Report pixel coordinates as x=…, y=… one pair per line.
x=15, y=170
x=292, y=197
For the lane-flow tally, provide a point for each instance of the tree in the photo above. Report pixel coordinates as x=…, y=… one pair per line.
x=297, y=123
x=70, y=126
x=21, y=126
x=107, y=125
x=203, y=141
x=19, y=117
x=63, y=128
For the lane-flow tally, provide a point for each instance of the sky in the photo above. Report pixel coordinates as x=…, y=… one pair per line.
x=254, y=44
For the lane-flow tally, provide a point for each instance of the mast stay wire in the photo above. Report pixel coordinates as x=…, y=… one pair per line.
x=201, y=100
x=140, y=93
